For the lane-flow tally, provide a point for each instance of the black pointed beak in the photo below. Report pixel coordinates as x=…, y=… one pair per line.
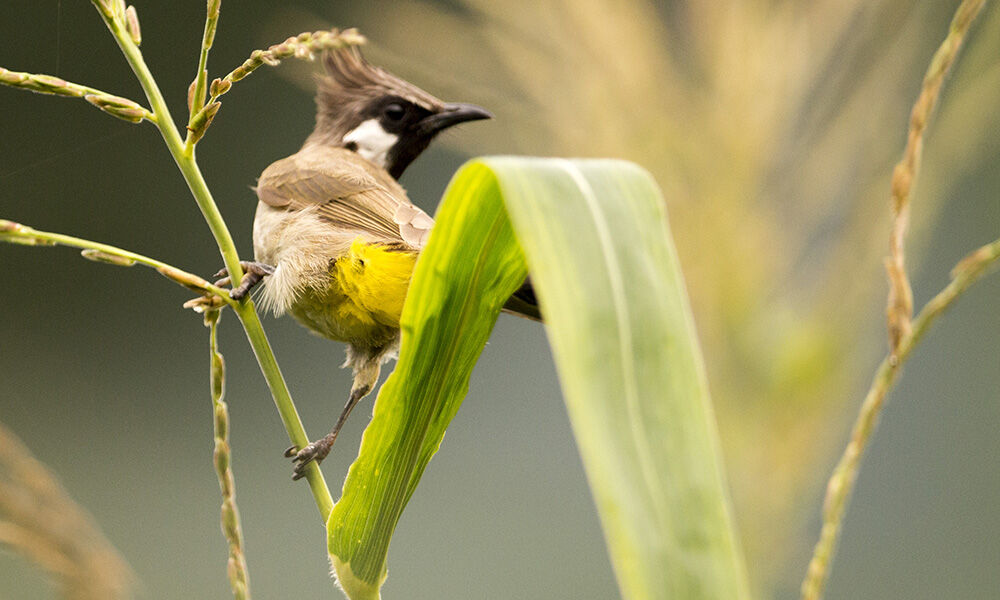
x=453, y=114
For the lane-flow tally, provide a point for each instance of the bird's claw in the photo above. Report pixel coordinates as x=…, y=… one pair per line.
x=254, y=273
x=313, y=452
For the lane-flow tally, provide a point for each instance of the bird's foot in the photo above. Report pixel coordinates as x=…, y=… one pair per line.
x=317, y=451
x=314, y=451
x=254, y=273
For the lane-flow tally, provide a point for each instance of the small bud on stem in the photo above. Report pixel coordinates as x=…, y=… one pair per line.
x=116, y=106
x=201, y=121
x=132, y=25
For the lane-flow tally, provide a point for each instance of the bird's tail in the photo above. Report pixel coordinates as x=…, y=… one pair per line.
x=523, y=302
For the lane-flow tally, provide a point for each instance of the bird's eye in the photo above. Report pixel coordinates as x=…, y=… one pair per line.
x=394, y=112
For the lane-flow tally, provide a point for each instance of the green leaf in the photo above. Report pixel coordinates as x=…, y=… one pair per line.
x=598, y=246
x=595, y=237
x=469, y=267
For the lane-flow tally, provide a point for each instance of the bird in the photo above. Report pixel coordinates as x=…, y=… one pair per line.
x=335, y=235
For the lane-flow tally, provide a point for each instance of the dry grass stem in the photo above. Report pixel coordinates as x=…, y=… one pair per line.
x=841, y=483
x=904, y=334
x=900, y=302
x=239, y=579
x=41, y=522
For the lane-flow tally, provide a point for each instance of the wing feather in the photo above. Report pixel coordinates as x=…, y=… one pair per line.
x=348, y=192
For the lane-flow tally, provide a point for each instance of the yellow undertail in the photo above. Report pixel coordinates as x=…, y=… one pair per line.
x=374, y=279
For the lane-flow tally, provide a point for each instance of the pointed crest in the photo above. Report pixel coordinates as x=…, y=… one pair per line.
x=349, y=74
x=349, y=83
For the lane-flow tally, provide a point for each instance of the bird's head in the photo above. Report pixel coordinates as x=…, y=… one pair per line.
x=378, y=115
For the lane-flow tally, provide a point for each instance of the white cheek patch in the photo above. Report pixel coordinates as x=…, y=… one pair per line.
x=373, y=142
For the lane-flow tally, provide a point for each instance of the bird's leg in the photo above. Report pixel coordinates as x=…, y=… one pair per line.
x=254, y=273
x=364, y=381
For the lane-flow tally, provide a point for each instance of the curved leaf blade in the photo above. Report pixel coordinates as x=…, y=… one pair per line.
x=598, y=245
x=469, y=267
x=596, y=239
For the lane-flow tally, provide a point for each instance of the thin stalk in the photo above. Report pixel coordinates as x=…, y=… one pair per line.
x=904, y=334
x=197, y=98
x=22, y=234
x=283, y=401
x=899, y=307
x=306, y=45
x=245, y=310
x=841, y=483
x=116, y=106
x=239, y=579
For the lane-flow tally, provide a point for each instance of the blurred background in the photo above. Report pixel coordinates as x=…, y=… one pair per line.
x=772, y=127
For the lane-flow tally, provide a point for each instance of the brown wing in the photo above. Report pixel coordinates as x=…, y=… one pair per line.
x=348, y=192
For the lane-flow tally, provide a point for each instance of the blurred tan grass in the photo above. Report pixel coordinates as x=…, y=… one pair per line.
x=41, y=522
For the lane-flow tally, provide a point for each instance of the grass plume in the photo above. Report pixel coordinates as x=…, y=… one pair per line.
x=40, y=521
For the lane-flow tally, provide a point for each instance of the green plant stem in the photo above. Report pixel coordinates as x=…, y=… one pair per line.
x=283, y=401
x=245, y=310
x=844, y=476
x=185, y=160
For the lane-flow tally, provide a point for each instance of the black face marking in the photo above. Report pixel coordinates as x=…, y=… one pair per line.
x=352, y=146
x=414, y=126
x=400, y=117
x=406, y=149
x=396, y=115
